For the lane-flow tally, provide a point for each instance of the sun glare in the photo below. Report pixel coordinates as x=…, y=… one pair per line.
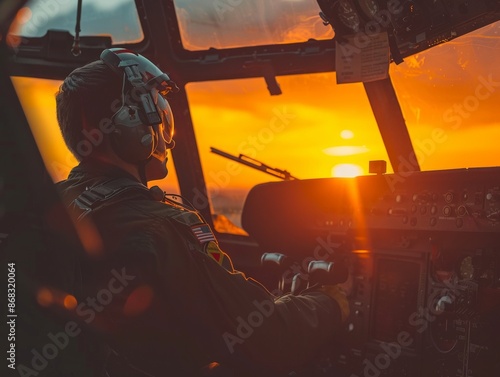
x=347, y=170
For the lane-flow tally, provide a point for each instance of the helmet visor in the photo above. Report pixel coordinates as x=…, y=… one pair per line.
x=167, y=117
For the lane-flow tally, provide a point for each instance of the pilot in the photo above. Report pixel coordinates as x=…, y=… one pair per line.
x=157, y=292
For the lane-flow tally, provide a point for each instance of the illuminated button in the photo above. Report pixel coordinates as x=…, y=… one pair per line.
x=492, y=196
x=414, y=208
x=434, y=210
x=433, y=221
x=447, y=211
x=449, y=196
x=397, y=211
x=461, y=211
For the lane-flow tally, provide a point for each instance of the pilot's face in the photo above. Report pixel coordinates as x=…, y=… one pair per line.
x=156, y=168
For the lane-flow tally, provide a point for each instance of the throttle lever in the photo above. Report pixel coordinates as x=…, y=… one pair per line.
x=280, y=260
x=330, y=273
x=320, y=272
x=279, y=263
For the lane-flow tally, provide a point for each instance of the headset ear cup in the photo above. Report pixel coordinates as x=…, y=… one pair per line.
x=132, y=140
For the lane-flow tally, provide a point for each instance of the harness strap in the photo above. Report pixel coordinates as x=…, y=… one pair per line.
x=187, y=221
x=103, y=193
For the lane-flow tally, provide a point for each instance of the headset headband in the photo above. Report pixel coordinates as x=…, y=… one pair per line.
x=144, y=77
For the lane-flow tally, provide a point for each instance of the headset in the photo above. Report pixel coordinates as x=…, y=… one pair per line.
x=144, y=106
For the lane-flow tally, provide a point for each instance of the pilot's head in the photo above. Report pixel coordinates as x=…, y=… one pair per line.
x=115, y=110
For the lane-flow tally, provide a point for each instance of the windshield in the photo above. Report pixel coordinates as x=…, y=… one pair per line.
x=449, y=95
x=238, y=23
x=98, y=18
x=318, y=128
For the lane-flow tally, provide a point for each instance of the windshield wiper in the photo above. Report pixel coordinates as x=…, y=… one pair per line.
x=253, y=163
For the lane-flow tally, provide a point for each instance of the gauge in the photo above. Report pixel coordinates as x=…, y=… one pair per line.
x=467, y=268
x=348, y=15
x=443, y=333
x=369, y=8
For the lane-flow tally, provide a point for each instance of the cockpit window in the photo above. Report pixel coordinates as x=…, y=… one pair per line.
x=237, y=23
x=315, y=129
x=98, y=18
x=449, y=96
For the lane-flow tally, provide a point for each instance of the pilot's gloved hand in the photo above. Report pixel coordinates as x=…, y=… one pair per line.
x=338, y=294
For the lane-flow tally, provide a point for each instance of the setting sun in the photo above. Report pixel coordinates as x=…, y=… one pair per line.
x=346, y=134
x=347, y=170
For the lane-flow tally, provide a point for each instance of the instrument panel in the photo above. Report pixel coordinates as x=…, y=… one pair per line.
x=424, y=251
x=415, y=25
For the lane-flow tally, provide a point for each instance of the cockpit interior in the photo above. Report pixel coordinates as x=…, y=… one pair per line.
x=362, y=134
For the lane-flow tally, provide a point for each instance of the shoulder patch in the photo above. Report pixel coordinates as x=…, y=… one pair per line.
x=203, y=233
x=212, y=249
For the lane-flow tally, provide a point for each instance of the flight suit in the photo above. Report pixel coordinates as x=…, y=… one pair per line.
x=160, y=292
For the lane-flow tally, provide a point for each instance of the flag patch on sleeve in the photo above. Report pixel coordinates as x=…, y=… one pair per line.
x=203, y=233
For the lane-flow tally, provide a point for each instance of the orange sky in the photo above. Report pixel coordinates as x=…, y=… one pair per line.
x=291, y=131
x=38, y=99
x=449, y=96
x=300, y=141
